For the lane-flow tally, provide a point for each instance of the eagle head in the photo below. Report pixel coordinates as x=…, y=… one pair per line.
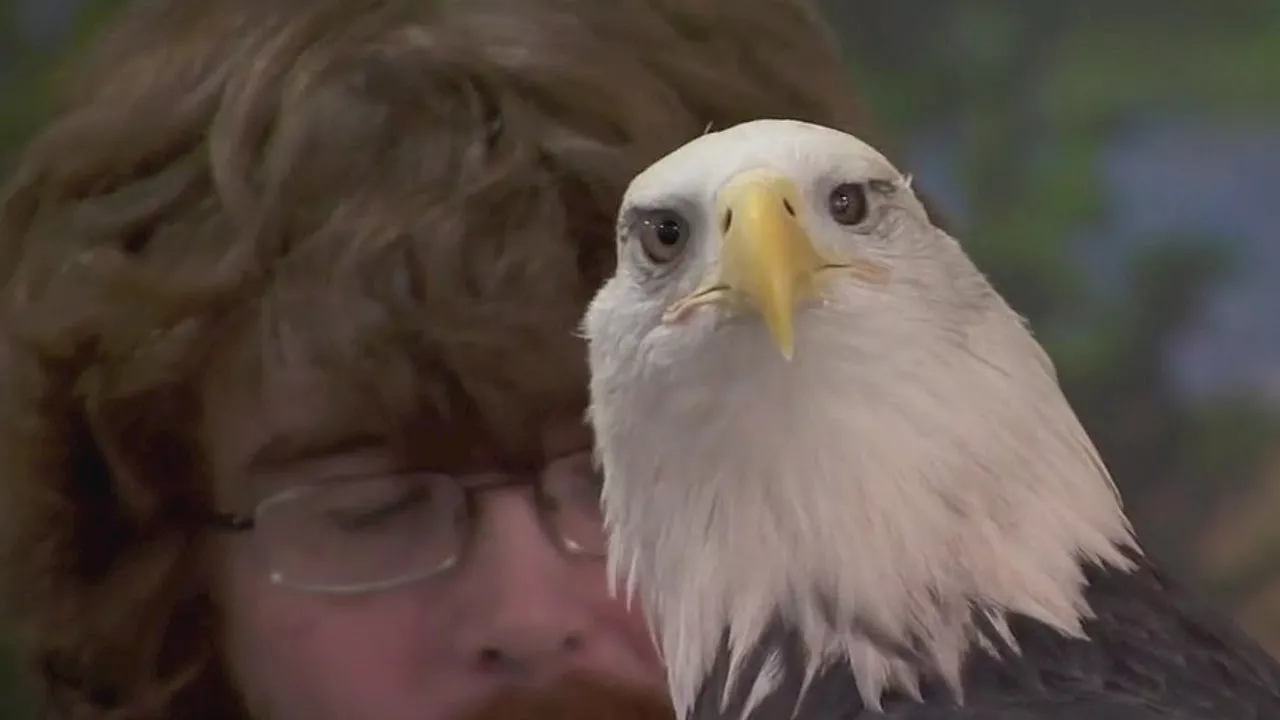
x=812, y=408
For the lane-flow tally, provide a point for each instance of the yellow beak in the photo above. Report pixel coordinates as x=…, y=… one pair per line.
x=768, y=255
x=768, y=259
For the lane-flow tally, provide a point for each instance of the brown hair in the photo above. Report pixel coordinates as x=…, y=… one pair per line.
x=434, y=178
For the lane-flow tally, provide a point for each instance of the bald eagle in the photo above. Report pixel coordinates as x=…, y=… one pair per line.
x=840, y=473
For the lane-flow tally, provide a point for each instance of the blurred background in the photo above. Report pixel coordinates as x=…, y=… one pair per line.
x=1114, y=167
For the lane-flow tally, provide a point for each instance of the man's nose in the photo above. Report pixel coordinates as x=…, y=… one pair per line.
x=531, y=616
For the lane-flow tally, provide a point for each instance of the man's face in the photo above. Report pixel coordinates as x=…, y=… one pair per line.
x=516, y=611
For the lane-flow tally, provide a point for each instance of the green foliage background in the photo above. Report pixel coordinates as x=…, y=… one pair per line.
x=1037, y=88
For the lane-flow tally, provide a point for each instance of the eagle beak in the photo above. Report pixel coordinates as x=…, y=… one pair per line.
x=768, y=259
x=768, y=256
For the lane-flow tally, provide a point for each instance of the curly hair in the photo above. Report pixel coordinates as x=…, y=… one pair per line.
x=422, y=189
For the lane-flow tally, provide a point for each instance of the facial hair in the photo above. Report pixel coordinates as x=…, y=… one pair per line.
x=576, y=698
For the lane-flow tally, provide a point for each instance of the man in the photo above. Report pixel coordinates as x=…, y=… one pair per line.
x=290, y=388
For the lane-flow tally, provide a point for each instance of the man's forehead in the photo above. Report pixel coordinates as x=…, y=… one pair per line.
x=268, y=424
x=261, y=419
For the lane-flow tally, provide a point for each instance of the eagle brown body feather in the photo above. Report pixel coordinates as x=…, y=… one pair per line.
x=1153, y=651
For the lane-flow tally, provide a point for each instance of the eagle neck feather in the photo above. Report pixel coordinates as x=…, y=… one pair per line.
x=870, y=503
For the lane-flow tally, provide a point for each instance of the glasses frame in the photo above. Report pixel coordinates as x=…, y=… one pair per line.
x=471, y=487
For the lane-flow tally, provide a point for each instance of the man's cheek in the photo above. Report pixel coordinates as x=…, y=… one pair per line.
x=307, y=669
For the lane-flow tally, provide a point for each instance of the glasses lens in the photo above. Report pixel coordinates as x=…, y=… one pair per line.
x=352, y=533
x=573, y=486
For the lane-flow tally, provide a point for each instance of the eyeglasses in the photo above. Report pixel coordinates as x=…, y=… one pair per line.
x=360, y=534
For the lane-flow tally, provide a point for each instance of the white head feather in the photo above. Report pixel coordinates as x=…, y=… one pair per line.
x=914, y=460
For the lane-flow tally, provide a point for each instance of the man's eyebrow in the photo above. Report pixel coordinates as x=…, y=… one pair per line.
x=291, y=447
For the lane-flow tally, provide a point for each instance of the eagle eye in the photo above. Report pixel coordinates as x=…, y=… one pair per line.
x=848, y=203
x=663, y=235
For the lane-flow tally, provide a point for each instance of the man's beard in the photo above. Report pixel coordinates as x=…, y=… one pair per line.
x=588, y=698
